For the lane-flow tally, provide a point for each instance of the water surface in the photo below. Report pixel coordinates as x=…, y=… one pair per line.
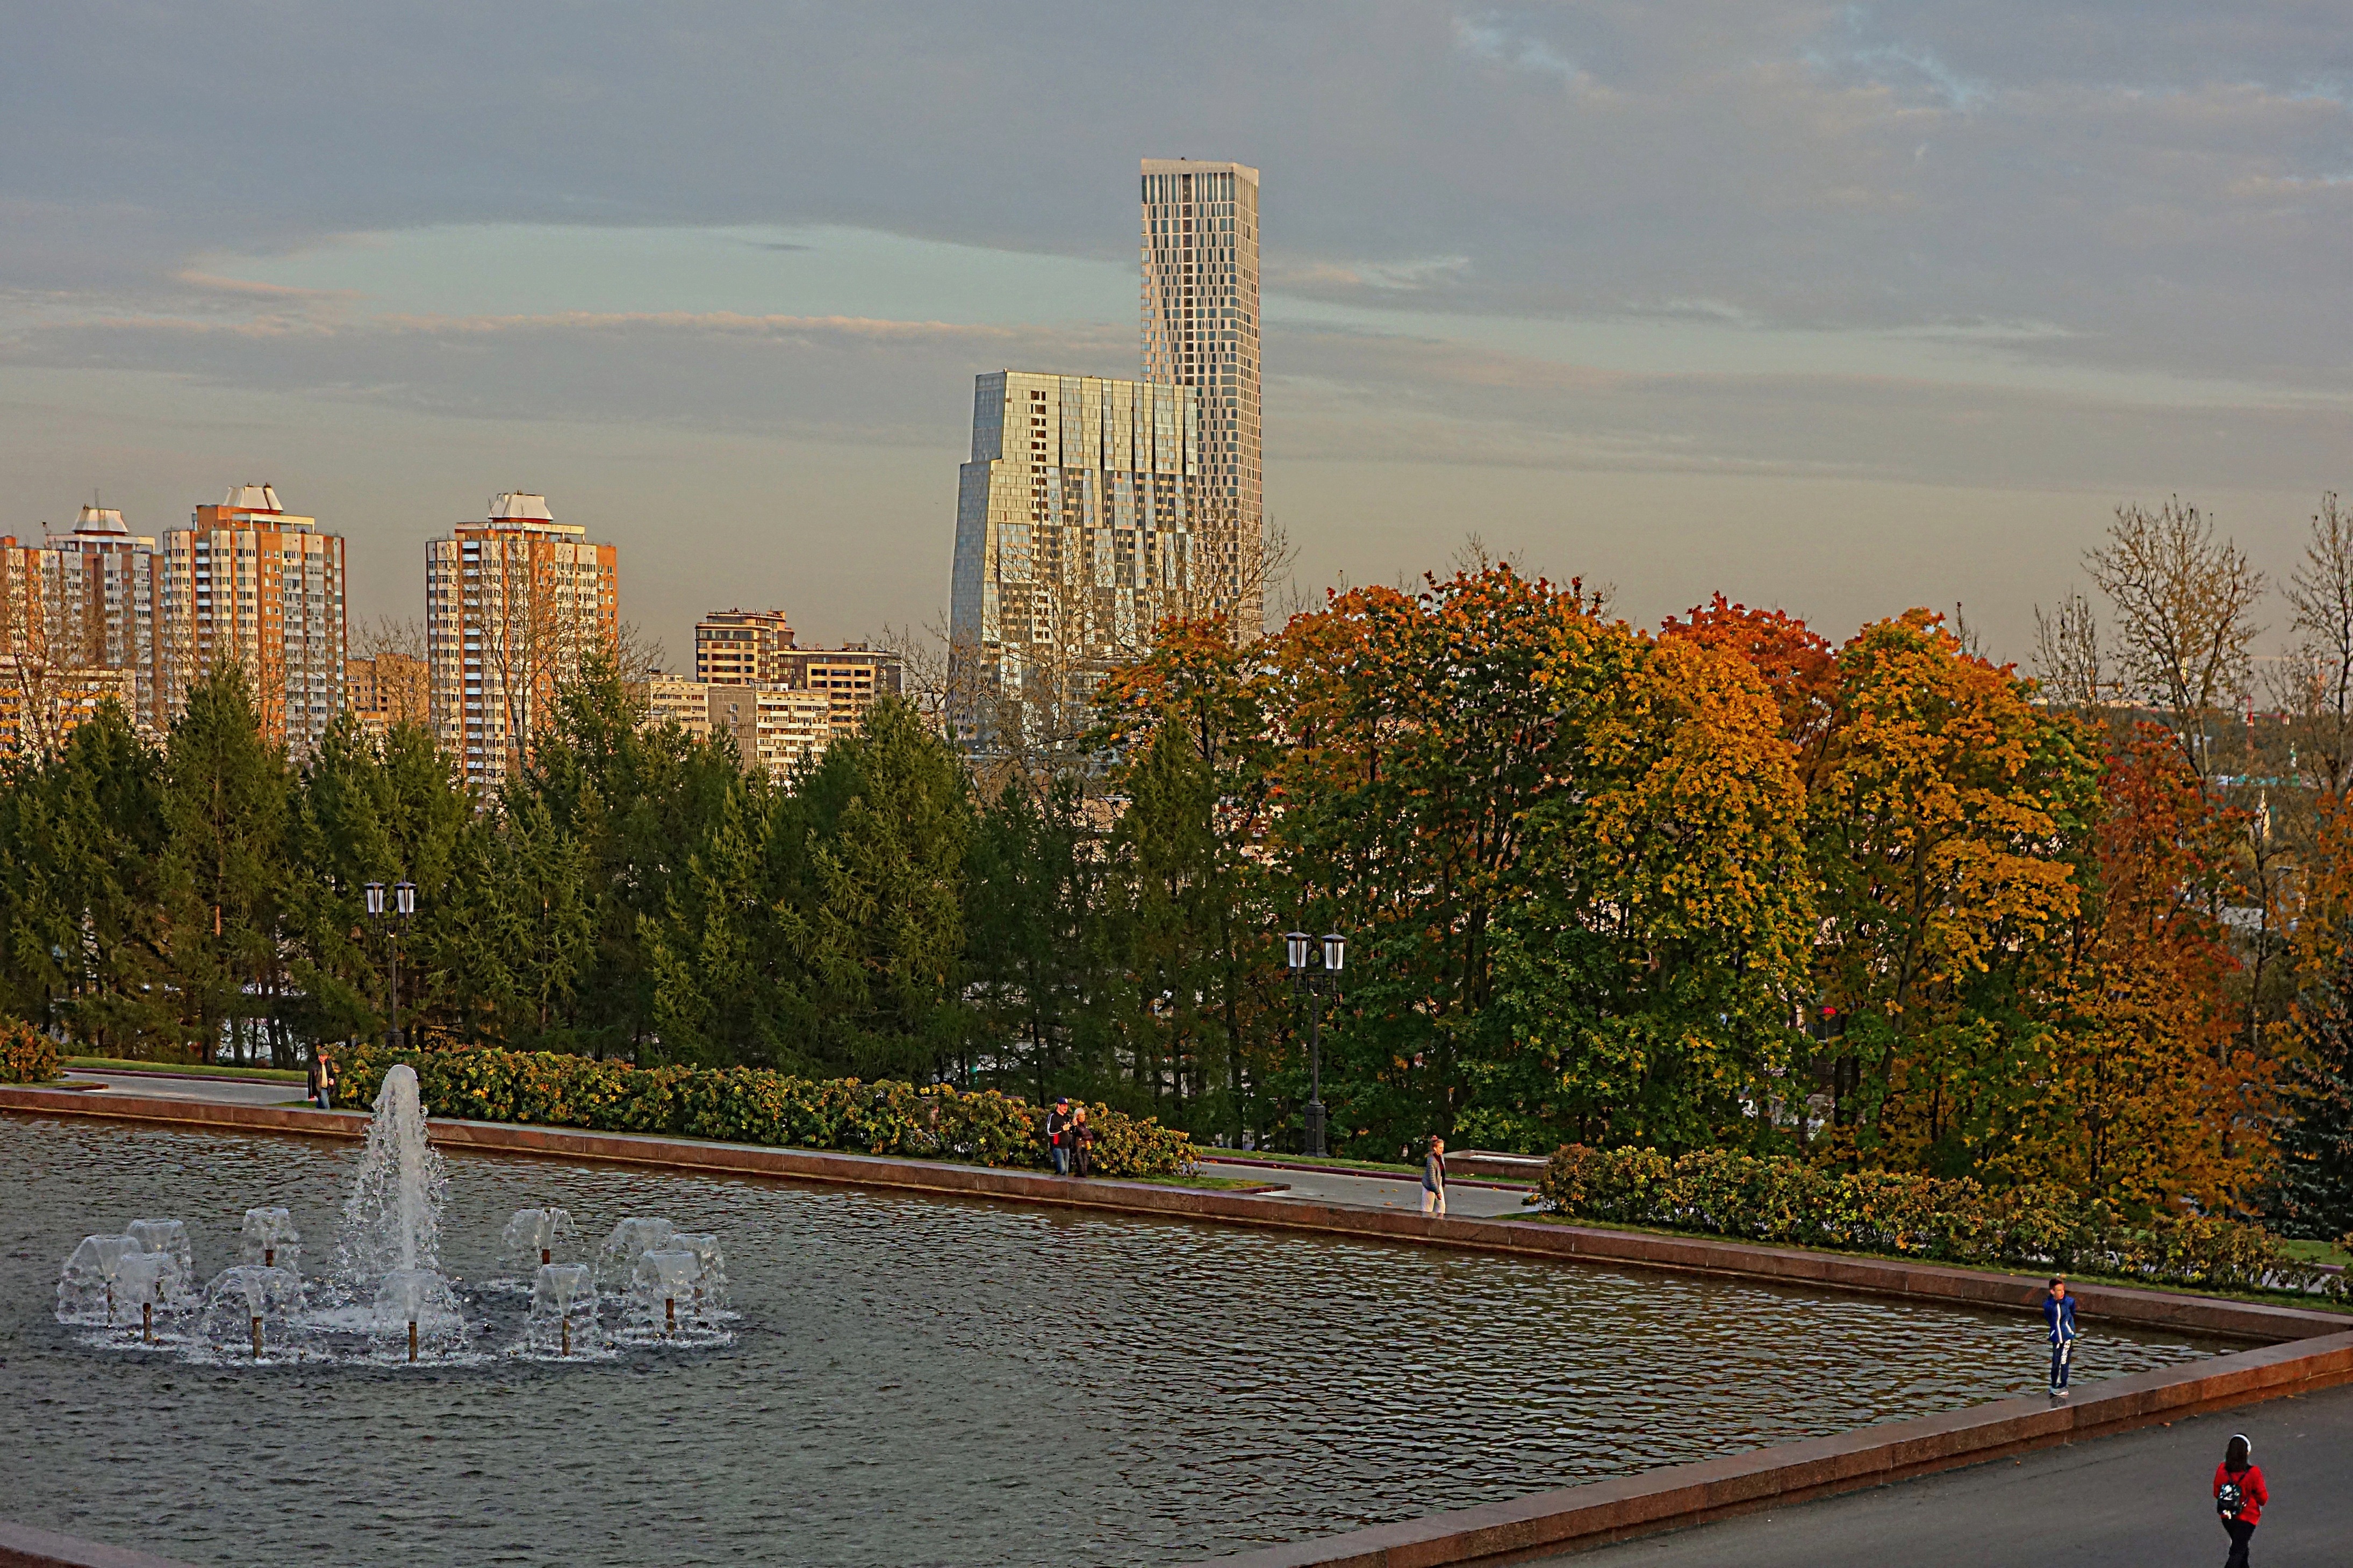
x=915, y=1380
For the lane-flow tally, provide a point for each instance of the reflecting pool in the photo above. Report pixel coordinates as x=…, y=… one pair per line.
x=909, y=1380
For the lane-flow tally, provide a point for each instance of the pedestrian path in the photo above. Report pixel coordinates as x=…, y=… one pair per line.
x=219, y=1090
x=2132, y=1502
x=1370, y=1190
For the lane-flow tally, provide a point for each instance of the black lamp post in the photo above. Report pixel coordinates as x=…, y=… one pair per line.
x=403, y=905
x=1312, y=983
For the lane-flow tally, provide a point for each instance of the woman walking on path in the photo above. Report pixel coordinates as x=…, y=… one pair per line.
x=2059, y=1311
x=323, y=1080
x=1433, y=1178
x=1083, y=1143
x=2240, y=1495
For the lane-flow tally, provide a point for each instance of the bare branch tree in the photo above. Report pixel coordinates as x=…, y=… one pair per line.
x=2183, y=599
x=2067, y=656
x=2315, y=683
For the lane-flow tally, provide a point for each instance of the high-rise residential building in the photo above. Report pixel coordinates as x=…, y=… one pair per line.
x=512, y=604
x=78, y=624
x=1201, y=331
x=250, y=581
x=388, y=688
x=738, y=647
x=1076, y=533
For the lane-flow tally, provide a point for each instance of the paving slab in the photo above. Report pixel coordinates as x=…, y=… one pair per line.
x=2134, y=1500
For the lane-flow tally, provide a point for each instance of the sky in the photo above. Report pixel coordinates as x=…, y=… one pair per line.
x=1843, y=309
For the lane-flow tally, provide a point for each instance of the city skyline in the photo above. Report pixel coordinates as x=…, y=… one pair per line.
x=1841, y=312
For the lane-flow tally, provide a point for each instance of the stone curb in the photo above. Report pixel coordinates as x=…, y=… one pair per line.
x=1544, y=1523
x=2251, y=1321
x=21, y=1546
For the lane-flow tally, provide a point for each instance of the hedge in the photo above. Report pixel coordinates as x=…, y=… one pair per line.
x=1945, y=1219
x=26, y=1055
x=754, y=1105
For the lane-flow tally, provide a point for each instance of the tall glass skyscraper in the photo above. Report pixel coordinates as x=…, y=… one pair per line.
x=1201, y=330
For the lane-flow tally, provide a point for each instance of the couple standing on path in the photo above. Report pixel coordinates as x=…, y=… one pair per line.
x=1070, y=1139
x=2240, y=1494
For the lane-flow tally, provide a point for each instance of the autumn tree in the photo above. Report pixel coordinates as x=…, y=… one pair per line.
x=1940, y=829
x=2313, y=1191
x=2141, y=1099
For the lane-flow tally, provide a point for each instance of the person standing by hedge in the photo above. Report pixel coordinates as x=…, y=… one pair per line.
x=1433, y=1178
x=2059, y=1313
x=1058, y=1135
x=1083, y=1143
x=322, y=1078
x=2240, y=1495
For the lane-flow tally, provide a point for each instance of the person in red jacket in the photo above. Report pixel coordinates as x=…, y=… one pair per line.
x=2240, y=1495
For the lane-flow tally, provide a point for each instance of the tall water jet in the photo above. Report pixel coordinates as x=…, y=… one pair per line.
x=617, y=1260
x=91, y=1287
x=533, y=1238
x=270, y=1240
x=562, y=1310
x=251, y=1309
x=391, y=1221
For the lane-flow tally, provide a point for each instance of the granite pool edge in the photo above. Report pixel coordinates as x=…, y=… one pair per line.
x=2247, y=1321
x=22, y=1546
x=1678, y=1497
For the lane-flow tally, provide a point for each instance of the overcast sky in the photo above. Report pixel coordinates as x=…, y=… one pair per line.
x=1839, y=308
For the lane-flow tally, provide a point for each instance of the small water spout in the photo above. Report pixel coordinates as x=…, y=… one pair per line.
x=250, y=1304
x=617, y=1260
x=532, y=1237
x=270, y=1239
x=417, y=1306
x=85, y=1283
x=665, y=1277
x=563, y=1309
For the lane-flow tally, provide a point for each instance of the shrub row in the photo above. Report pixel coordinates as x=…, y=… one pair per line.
x=1945, y=1219
x=26, y=1055
x=754, y=1105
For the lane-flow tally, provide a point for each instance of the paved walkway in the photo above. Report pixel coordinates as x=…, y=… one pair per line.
x=229, y=1090
x=2139, y=1500
x=1370, y=1191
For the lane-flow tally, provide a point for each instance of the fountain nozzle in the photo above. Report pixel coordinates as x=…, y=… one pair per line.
x=412, y=1341
x=257, y=1337
x=669, y=1314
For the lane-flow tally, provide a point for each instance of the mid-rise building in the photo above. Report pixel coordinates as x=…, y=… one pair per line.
x=1075, y=533
x=78, y=624
x=775, y=727
x=512, y=605
x=250, y=581
x=388, y=688
x=739, y=648
x=851, y=678
x=1201, y=331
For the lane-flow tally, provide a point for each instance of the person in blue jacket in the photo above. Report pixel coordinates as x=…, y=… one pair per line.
x=2059, y=1312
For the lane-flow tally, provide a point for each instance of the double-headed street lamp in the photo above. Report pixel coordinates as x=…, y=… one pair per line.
x=403, y=905
x=1312, y=983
